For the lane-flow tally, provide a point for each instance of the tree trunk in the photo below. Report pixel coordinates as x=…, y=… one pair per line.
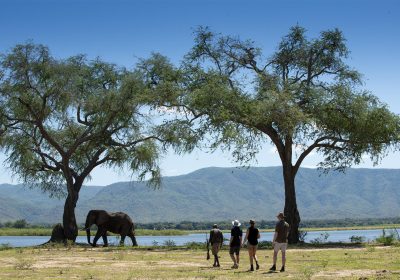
x=291, y=211
x=69, y=220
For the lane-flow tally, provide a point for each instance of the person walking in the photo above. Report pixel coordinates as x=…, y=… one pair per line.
x=235, y=243
x=216, y=240
x=279, y=241
x=252, y=236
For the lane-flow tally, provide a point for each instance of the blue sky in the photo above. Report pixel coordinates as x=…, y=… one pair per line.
x=123, y=31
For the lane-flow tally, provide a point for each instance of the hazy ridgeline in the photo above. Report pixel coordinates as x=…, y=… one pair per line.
x=223, y=194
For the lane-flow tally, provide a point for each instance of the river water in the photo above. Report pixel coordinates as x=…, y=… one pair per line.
x=323, y=236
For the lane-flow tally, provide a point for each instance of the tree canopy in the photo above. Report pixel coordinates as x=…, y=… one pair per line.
x=302, y=98
x=62, y=118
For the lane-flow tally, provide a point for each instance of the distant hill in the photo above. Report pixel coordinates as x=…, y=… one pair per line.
x=214, y=194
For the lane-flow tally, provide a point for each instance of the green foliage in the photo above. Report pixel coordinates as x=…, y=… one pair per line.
x=323, y=238
x=386, y=238
x=65, y=117
x=303, y=98
x=357, y=239
x=169, y=243
x=20, y=224
x=5, y=246
x=304, y=95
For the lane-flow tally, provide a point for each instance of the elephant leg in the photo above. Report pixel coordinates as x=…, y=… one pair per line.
x=121, y=243
x=99, y=233
x=133, y=238
x=105, y=241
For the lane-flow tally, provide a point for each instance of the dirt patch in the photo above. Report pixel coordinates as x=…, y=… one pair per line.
x=334, y=249
x=351, y=273
x=65, y=262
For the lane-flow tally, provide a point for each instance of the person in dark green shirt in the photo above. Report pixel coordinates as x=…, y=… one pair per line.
x=216, y=240
x=279, y=241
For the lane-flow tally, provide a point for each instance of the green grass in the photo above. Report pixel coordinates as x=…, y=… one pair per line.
x=170, y=232
x=47, y=232
x=83, y=262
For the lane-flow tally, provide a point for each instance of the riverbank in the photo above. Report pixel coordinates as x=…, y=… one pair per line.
x=171, y=232
x=47, y=232
x=83, y=262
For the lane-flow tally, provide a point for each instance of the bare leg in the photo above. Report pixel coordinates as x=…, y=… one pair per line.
x=255, y=258
x=237, y=259
x=275, y=256
x=251, y=256
x=233, y=259
x=283, y=257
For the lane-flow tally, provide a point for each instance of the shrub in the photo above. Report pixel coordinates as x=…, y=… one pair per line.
x=195, y=245
x=323, y=238
x=357, y=239
x=4, y=246
x=386, y=239
x=20, y=224
x=169, y=243
x=302, y=236
x=265, y=244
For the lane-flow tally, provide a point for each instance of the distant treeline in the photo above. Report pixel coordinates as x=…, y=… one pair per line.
x=186, y=225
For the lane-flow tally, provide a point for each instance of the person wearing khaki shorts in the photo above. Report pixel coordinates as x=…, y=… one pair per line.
x=252, y=236
x=216, y=240
x=279, y=241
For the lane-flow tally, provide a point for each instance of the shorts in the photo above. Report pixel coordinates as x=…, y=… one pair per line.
x=280, y=246
x=215, y=248
x=234, y=249
x=251, y=247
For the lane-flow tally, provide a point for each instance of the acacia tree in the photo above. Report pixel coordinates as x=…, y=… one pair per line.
x=303, y=98
x=66, y=117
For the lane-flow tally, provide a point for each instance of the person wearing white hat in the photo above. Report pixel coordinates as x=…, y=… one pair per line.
x=235, y=243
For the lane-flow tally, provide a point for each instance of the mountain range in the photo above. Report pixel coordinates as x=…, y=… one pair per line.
x=216, y=194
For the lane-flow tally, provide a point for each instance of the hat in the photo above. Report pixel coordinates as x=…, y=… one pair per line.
x=236, y=223
x=252, y=221
x=281, y=215
x=215, y=226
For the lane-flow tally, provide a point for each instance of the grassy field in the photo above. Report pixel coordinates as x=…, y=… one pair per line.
x=77, y=262
x=47, y=232
x=169, y=232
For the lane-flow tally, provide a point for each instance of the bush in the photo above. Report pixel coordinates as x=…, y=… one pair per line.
x=265, y=244
x=357, y=239
x=323, y=238
x=169, y=243
x=302, y=236
x=195, y=245
x=386, y=239
x=20, y=224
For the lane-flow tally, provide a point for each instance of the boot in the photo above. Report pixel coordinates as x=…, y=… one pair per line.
x=251, y=268
x=273, y=268
x=282, y=269
x=257, y=266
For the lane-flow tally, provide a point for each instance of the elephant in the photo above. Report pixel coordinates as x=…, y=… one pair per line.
x=118, y=222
